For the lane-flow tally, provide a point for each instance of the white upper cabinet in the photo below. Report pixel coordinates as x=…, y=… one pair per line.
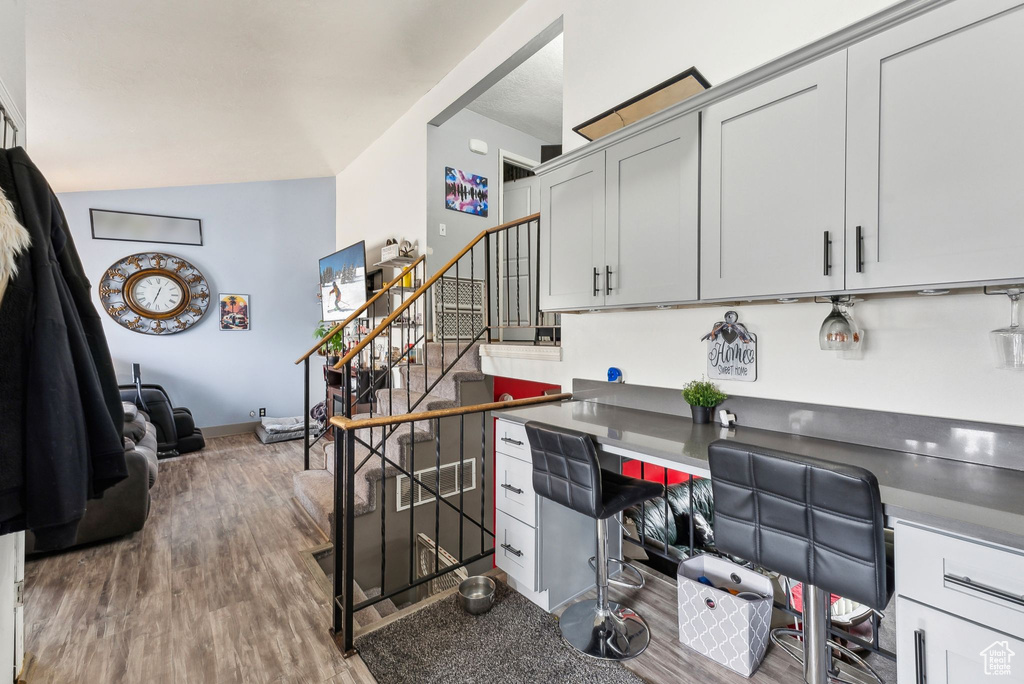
x=651, y=215
x=572, y=235
x=773, y=184
x=936, y=149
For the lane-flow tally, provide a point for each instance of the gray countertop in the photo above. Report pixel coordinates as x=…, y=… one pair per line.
x=978, y=500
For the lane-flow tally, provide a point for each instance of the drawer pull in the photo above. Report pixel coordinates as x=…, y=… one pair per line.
x=860, y=249
x=514, y=490
x=968, y=583
x=514, y=551
x=920, y=676
x=509, y=440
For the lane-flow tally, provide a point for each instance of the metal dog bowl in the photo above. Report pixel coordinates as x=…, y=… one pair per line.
x=476, y=594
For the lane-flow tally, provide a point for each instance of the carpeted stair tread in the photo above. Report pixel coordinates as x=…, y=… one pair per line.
x=449, y=386
x=470, y=361
x=398, y=402
x=314, y=490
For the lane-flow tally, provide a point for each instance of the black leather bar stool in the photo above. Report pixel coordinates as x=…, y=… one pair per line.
x=813, y=521
x=566, y=470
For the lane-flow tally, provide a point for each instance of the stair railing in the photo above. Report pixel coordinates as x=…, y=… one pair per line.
x=347, y=469
x=339, y=329
x=460, y=308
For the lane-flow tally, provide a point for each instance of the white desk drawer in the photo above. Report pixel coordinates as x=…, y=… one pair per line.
x=510, y=439
x=971, y=579
x=515, y=549
x=514, y=489
x=940, y=648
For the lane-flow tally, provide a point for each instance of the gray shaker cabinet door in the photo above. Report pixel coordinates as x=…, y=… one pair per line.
x=773, y=186
x=651, y=232
x=936, y=149
x=572, y=236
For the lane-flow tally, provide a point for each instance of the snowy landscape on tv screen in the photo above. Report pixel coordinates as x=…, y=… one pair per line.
x=343, y=282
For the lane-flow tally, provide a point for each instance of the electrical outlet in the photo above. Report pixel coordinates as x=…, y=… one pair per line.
x=263, y=413
x=444, y=229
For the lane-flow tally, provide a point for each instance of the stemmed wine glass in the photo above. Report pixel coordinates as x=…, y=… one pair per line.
x=1009, y=342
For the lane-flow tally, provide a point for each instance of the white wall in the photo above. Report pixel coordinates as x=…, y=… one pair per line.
x=448, y=145
x=12, y=56
x=924, y=355
x=261, y=239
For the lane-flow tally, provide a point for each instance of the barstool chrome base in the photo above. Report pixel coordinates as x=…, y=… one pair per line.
x=791, y=641
x=619, y=634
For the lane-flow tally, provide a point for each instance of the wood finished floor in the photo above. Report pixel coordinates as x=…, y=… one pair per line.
x=213, y=589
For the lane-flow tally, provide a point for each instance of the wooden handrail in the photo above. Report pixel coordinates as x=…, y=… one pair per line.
x=344, y=423
x=341, y=326
x=352, y=353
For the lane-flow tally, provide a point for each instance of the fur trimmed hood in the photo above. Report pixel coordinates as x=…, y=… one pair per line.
x=14, y=239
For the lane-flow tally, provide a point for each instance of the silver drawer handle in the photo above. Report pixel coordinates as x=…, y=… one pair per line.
x=514, y=490
x=509, y=440
x=514, y=551
x=968, y=583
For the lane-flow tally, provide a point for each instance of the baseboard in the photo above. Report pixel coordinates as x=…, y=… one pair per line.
x=233, y=429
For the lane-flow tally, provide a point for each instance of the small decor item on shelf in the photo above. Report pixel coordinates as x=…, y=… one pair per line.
x=1009, y=342
x=703, y=396
x=732, y=350
x=390, y=250
x=234, y=311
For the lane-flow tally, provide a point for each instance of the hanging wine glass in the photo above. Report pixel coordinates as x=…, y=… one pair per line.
x=837, y=332
x=1009, y=342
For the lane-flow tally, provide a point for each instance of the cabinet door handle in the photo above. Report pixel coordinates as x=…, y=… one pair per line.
x=968, y=583
x=860, y=250
x=509, y=440
x=514, y=551
x=514, y=490
x=920, y=676
x=597, y=290
x=825, y=253
x=607, y=280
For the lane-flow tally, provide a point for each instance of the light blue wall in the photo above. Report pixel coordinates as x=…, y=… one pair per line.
x=261, y=239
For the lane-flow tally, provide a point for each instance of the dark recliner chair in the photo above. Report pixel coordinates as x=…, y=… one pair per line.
x=176, y=430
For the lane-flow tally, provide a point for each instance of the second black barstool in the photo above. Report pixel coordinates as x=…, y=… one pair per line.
x=566, y=470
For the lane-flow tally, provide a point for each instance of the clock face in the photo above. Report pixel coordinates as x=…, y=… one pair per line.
x=154, y=293
x=158, y=294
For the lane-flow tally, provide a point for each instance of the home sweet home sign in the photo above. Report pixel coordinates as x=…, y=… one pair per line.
x=732, y=350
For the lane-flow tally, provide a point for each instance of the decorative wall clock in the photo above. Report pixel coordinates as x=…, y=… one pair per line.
x=154, y=293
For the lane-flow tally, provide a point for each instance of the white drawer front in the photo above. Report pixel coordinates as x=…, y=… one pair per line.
x=515, y=549
x=514, y=489
x=971, y=579
x=510, y=439
x=948, y=650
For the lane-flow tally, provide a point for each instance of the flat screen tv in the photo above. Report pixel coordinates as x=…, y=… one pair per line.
x=343, y=282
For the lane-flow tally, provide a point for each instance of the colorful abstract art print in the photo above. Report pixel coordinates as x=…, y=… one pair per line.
x=234, y=312
x=465, y=192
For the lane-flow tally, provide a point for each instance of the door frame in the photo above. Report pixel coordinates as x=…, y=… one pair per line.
x=515, y=160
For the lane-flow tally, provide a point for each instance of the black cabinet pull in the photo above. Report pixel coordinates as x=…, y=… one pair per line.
x=509, y=440
x=920, y=676
x=607, y=280
x=825, y=255
x=860, y=250
x=514, y=490
x=514, y=551
x=597, y=290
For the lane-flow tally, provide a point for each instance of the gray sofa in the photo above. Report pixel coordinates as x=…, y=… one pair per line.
x=123, y=508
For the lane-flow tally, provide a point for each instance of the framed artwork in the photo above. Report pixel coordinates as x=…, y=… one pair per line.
x=234, y=311
x=465, y=192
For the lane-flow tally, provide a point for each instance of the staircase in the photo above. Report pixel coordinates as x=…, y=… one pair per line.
x=463, y=385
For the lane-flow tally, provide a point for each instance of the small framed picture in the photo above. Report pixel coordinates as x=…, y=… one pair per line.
x=234, y=311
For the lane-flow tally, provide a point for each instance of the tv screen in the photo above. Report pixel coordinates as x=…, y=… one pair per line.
x=343, y=282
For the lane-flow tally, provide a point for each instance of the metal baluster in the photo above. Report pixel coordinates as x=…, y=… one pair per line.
x=665, y=510
x=487, y=285
x=472, y=285
x=483, y=473
x=643, y=513
x=505, y=284
x=462, y=480
x=305, y=412
x=519, y=303
x=383, y=504
x=437, y=494
x=529, y=272
x=412, y=502
x=458, y=311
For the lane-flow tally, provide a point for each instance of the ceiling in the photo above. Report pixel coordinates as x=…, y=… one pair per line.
x=529, y=98
x=127, y=94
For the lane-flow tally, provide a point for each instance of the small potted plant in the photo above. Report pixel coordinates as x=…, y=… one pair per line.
x=702, y=396
x=334, y=347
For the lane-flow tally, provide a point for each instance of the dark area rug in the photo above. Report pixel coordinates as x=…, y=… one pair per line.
x=514, y=643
